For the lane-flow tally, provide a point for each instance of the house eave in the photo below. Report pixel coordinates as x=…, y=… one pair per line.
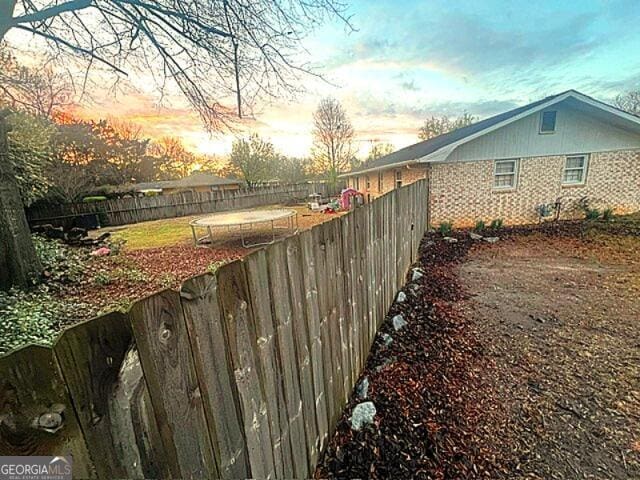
x=441, y=155
x=380, y=168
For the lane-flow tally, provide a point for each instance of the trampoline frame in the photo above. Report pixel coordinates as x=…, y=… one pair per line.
x=291, y=218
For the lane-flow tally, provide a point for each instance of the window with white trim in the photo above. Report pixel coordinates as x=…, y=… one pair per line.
x=505, y=174
x=398, y=178
x=575, y=170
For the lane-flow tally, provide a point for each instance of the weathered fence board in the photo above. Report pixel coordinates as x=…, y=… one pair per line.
x=101, y=367
x=241, y=374
x=211, y=357
x=269, y=365
x=233, y=297
x=282, y=316
x=312, y=316
x=301, y=344
x=124, y=211
x=37, y=417
x=165, y=354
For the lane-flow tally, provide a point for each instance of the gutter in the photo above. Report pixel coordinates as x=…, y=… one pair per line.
x=375, y=169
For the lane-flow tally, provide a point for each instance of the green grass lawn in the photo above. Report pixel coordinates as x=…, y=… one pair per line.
x=176, y=231
x=157, y=233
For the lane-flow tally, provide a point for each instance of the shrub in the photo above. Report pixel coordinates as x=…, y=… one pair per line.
x=607, y=214
x=480, y=226
x=102, y=278
x=544, y=210
x=93, y=199
x=591, y=213
x=445, y=228
x=61, y=263
x=116, y=245
x=33, y=317
x=496, y=224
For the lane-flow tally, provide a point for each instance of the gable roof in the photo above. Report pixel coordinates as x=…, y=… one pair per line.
x=194, y=180
x=417, y=152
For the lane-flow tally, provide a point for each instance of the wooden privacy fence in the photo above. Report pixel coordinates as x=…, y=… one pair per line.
x=125, y=211
x=239, y=374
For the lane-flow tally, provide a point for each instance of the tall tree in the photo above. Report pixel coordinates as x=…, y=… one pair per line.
x=333, y=149
x=435, y=126
x=379, y=150
x=19, y=263
x=254, y=159
x=209, y=50
x=128, y=151
x=79, y=162
x=629, y=102
x=172, y=159
x=30, y=154
x=292, y=170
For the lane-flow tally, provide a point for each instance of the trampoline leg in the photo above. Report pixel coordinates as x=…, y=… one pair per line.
x=195, y=237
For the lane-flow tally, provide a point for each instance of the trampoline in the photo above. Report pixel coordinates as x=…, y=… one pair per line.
x=244, y=221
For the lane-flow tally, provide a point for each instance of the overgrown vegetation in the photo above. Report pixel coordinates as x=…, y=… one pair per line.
x=480, y=226
x=496, y=224
x=36, y=315
x=61, y=264
x=445, y=228
x=33, y=316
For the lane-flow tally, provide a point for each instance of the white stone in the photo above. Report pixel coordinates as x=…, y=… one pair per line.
x=398, y=322
x=362, y=390
x=491, y=239
x=417, y=274
x=450, y=239
x=475, y=236
x=401, y=297
x=363, y=414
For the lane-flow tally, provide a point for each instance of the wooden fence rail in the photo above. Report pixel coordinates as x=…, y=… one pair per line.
x=125, y=211
x=239, y=374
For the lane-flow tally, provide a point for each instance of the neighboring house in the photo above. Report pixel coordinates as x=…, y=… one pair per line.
x=567, y=146
x=196, y=182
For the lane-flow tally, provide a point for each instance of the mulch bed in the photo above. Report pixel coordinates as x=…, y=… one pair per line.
x=421, y=385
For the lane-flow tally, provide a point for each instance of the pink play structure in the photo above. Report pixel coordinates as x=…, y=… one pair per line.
x=346, y=197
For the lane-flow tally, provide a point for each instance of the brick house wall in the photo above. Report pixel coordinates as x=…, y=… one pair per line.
x=463, y=192
x=384, y=181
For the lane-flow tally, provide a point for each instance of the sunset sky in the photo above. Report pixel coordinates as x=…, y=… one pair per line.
x=408, y=60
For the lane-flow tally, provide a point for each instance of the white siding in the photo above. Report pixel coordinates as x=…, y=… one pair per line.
x=576, y=132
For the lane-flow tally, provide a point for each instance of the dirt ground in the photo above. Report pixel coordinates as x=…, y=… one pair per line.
x=560, y=319
x=520, y=360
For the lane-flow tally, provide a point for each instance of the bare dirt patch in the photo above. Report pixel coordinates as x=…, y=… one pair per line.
x=560, y=318
x=519, y=359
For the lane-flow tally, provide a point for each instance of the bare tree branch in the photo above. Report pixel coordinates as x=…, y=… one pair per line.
x=47, y=13
x=213, y=52
x=75, y=48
